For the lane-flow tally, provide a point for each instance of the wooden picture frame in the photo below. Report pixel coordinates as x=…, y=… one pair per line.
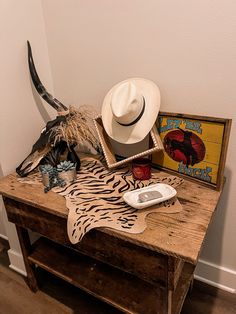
x=113, y=161
x=194, y=147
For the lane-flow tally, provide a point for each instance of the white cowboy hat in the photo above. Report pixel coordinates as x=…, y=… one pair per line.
x=130, y=109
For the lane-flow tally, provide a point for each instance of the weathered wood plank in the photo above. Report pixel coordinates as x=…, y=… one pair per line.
x=122, y=290
x=37, y=220
x=148, y=265
x=196, y=193
x=33, y=194
x=131, y=271
x=178, y=296
x=26, y=250
x=165, y=233
x=175, y=266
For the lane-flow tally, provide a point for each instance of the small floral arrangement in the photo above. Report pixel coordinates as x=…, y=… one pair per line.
x=50, y=177
x=46, y=169
x=67, y=171
x=66, y=166
x=59, y=175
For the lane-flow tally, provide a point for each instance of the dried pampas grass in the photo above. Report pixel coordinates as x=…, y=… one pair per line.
x=78, y=128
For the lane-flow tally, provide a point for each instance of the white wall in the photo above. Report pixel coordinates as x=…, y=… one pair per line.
x=21, y=115
x=187, y=47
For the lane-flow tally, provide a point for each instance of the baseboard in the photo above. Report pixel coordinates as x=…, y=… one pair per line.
x=16, y=262
x=18, y=270
x=216, y=276
x=3, y=236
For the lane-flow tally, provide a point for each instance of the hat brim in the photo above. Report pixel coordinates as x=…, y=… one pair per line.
x=136, y=132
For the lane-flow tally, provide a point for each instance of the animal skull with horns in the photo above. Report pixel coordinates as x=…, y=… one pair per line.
x=59, y=139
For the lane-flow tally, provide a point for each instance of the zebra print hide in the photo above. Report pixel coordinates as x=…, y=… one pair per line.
x=95, y=200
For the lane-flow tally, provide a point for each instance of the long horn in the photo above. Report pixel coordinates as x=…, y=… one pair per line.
x=56, y=104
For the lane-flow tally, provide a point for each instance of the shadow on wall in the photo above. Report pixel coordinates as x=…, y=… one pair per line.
x=2, y=226
x=1, y=172
x=40, y=105
x=213, y=247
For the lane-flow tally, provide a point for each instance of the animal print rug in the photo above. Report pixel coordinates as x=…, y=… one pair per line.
x=94, y=199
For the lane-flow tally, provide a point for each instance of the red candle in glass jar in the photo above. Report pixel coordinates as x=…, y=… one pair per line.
x=141, y=169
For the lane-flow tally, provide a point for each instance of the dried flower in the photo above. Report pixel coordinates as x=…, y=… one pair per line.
x=78, y=128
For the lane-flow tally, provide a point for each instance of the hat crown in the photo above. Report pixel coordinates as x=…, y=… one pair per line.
x=126, y=103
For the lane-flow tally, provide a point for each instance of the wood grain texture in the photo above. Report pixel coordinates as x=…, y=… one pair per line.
x=170, y=234
x=148, y=272
x=37, y=220
x=145, y=264
x=26, y=250
x=124, y=291
x=224, y=154
x=175, y=266
x=148, y=265
x=57, y=296
x=178, y=296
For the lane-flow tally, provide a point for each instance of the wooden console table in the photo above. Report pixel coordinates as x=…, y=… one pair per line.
x=137, y=273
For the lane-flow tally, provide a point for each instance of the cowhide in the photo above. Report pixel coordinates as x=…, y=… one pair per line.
x=95, y=200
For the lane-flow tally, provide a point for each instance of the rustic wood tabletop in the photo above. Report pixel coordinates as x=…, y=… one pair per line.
x=177, y=234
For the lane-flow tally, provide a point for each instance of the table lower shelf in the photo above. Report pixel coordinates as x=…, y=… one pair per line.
x=124, y=291
x=120, y=289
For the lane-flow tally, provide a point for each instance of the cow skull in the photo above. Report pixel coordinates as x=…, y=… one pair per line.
x=51, y=148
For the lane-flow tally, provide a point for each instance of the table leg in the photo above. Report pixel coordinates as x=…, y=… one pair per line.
x=191, y=286
x=26, y=249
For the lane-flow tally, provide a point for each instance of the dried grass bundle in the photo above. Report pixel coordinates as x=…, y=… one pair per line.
x=78, y=128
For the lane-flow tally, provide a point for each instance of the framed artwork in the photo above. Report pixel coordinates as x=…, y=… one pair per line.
x=194, y=146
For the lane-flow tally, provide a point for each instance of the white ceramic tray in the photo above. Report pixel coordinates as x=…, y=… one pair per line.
x=166, y=192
